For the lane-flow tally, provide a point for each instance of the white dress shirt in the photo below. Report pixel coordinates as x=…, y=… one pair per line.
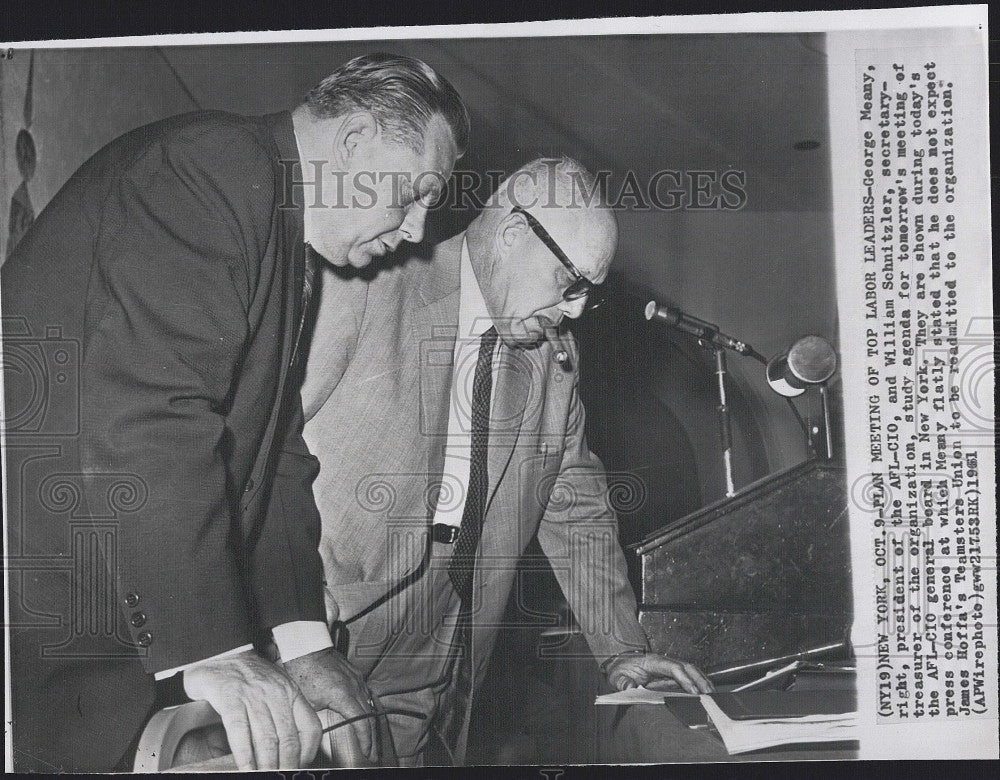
x=473, y=320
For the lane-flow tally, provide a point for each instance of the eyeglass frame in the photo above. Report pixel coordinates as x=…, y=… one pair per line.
x=584, y=288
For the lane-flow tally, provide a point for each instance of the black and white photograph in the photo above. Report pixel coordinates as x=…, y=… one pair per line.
x=592, y=392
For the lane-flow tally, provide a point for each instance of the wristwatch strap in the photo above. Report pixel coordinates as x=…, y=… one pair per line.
x=607, y=661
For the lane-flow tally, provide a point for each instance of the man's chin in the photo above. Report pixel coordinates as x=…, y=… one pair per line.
x=356, y=257
x=334, y=259
x=360, y=257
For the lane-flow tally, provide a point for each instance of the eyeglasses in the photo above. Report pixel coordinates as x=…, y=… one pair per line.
x=581, y=286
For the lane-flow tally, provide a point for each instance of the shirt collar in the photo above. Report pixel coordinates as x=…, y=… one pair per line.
x=473, y=316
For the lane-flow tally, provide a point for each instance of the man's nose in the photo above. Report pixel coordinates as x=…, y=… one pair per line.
x=412, y=229
x=573, y=309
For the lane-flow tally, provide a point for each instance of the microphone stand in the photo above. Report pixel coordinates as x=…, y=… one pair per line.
x=725, y=423
x=707, y=338
x=825, y=397
x=725, y=420
x=710, y=337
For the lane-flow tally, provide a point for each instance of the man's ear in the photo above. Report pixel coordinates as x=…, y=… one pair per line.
x=356, y=132
x=511, y=229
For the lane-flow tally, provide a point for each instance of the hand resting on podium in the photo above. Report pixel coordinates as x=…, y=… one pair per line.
x=656, y=672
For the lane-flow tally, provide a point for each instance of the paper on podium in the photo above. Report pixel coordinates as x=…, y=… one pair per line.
x=639, y=695
x=741, y=736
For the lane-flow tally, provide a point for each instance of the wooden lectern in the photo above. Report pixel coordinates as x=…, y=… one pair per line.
x=758, y=577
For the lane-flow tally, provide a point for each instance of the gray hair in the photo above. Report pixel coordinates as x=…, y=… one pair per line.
x=402, y=94
x=551, y=182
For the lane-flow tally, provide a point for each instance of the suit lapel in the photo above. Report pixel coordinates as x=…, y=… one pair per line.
x=295, y=249
x=436, y=368
x=293, y=234
x=510, y=393
x=435, y=328
x=289, y=274
x=298, y=304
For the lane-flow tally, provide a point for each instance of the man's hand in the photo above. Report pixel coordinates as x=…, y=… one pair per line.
x=329, y=682
x=269, y=724
x=656, y=672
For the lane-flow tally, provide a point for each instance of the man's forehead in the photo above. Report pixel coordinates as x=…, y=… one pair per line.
x=439, y=146
x=595, y=264
x=421, y=173
x=586, y=236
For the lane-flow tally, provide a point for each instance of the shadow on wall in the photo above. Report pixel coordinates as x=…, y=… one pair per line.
x=651, y=400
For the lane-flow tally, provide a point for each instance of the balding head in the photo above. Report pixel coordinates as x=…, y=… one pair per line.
x=521, y=276
x=565, y=199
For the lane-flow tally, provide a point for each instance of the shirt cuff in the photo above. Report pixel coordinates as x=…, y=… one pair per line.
x=170, y=672
x=301, y=637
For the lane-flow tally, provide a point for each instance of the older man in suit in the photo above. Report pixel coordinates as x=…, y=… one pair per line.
x=441, y=399
x=172, y=272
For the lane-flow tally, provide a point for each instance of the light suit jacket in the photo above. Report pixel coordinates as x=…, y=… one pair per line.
x=376, y=396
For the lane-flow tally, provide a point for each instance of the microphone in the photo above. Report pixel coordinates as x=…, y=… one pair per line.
x=705, y=331
x=809, y=361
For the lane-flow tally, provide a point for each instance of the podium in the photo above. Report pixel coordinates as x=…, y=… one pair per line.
x=763, y=575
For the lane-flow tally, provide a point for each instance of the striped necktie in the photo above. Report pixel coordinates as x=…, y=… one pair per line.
x=462, y=563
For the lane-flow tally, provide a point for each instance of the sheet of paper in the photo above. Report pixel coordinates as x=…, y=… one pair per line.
x=741, y=736
x=638, y=695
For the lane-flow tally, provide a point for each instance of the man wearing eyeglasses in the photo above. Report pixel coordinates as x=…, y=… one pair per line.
x=450, y=433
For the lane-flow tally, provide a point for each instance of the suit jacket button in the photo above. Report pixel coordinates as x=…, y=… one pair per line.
x=138, y=620
x=145, y=639
x=131, y=599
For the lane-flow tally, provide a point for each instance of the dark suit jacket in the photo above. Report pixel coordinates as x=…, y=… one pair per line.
x=160, y=506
